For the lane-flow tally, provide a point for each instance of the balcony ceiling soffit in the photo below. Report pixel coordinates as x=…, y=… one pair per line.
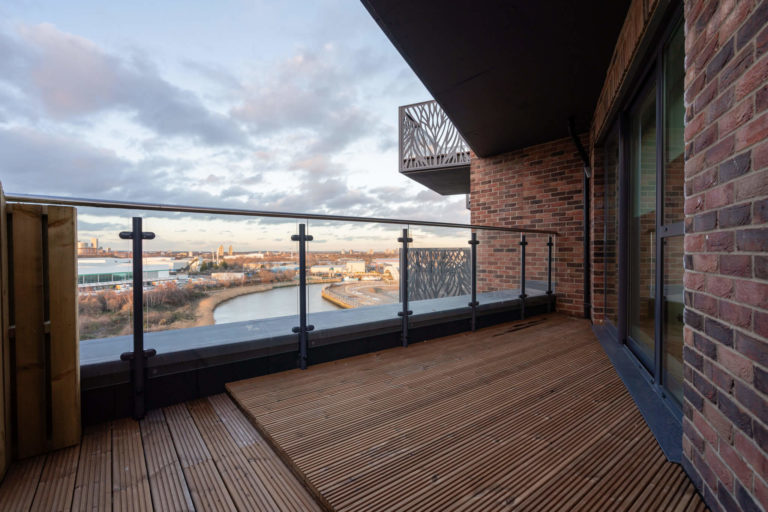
x=508, y=73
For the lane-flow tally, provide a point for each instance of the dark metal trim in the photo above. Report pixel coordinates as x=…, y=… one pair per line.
x=586, y=203
x=138, y=358
x=175, y=208
x=623, y=209
x=405, y=313
x=549, y=274
x=303, y=328
x=473, y=244
x=523, y=243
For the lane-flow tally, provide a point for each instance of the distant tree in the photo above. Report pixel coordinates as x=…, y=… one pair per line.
x=204, y=266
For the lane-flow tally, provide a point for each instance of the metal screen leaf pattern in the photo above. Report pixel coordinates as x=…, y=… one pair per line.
x=428, y=139
x=436, y=273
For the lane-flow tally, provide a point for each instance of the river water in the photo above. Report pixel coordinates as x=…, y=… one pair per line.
x=272, y=303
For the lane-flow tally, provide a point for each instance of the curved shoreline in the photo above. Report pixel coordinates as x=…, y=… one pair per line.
x=206, y=307
x=334, y=300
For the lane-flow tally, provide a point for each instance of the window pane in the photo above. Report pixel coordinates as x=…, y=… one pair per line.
x=674, y=112
x=642, y=227
x=673, y=316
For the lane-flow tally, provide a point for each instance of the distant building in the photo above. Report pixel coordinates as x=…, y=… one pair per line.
x=95, y=243
x=228, y=276
x=230, y=250
x=86, y=249
x=327, y=270
x=354, y=267
x=220, y=251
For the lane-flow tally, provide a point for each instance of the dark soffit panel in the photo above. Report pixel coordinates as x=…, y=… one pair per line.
x=508, y=73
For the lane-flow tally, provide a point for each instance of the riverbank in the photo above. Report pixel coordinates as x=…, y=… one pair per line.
x=205, y=308
x=362, y=293
x=335, y=299
x=173, y=308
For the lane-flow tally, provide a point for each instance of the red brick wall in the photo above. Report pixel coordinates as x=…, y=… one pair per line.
x=725, y=425
x=538, y=187
x=625, y=53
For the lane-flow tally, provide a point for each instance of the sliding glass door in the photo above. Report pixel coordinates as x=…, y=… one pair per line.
x=644, y=221
x=672, y=199
x=641, y=311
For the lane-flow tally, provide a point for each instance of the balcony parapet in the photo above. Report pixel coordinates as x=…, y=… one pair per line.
x=432, y=151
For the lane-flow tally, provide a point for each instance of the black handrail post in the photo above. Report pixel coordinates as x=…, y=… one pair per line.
x=523, y=243
x=473, y=243
x=138, y=358
x=405, y=313
x=303, y=328
x=549, y=275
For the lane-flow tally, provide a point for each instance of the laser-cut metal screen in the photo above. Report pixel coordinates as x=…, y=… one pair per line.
x=435, y=273
x=428, y=139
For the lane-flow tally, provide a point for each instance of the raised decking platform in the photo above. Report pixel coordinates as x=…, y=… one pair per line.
x=203, y=455
x=528, y=415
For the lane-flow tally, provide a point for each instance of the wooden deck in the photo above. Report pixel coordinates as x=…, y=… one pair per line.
x=203, y=455
x=523, y=416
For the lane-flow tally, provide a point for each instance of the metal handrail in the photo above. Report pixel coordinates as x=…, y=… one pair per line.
x=176, y=208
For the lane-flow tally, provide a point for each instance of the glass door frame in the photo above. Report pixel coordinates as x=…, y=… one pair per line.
x=648, y=84
x=653, y=74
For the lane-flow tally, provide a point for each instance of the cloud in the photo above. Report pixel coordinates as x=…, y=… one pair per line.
x=71, y=78
x=34, y=162
x=314, y=91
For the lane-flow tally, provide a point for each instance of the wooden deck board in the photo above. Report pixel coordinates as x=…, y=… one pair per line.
x=166, y=480
x=57, y=483
x=93, y=487
x=20, y=484
x=130, y=482
x=522, y=416
x=204, y=455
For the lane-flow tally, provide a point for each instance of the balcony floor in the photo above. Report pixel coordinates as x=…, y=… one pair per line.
x=202, y=455
x=527, y=415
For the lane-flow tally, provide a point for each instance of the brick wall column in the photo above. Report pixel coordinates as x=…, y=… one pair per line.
x=725, y=424
x=537, y=187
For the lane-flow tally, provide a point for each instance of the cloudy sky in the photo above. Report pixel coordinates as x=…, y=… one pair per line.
x=267, y=104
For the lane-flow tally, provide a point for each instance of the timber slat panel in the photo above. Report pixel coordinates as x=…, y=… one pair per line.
x=64, y=353
x=29, y=340
x=522, y=416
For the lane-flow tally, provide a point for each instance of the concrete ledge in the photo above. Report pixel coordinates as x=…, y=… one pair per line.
x=191, y=349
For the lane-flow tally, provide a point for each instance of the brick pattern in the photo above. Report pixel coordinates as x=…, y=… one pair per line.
x=624, y=53
x=538, y=187
x=725, y=424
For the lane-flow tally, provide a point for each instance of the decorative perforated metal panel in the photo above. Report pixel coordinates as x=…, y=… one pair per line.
x=435, y=273
x=428, y=139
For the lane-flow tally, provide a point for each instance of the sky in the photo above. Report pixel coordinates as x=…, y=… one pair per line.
x=282, y=105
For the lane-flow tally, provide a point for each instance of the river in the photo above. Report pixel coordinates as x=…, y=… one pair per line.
x=275, y=302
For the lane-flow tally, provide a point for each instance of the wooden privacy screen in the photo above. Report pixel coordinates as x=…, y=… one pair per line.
x=43, y=344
